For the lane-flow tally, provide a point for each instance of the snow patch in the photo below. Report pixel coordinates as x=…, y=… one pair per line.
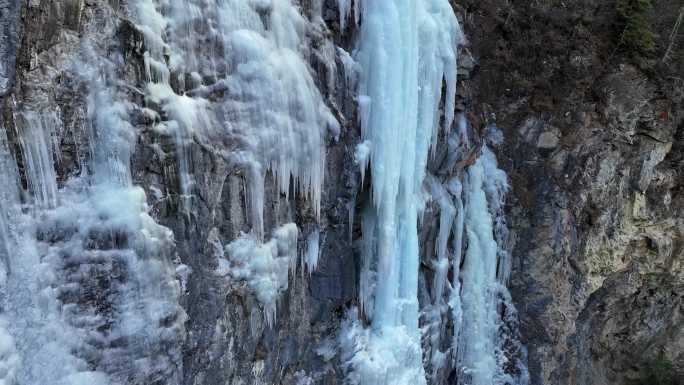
x=264, y=266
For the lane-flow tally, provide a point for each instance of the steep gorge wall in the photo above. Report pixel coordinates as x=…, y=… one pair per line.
x=592, y=146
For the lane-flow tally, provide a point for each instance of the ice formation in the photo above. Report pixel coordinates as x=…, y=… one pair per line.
x=264, y=266
x=483, y=355
x=406, y=50
x=99, y=240
x=89, y=293
x=313, y=250
x=477, y=352
x=37, y=131
x=349, y=9
x=259, y=99
x=250, y=96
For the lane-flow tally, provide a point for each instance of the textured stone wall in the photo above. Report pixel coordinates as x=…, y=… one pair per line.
x=593, y=148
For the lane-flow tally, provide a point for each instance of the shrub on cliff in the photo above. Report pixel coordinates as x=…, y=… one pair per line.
x=637, y=34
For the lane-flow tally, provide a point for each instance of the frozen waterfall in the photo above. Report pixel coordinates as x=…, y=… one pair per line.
x=89, y=289
x=407, y=50
x=239, y=106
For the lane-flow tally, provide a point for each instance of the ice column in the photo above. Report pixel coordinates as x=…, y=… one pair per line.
x=407, y=48
x=488, y=352
x=476, y=347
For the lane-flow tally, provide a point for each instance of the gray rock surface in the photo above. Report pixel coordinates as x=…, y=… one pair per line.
x=10, y=29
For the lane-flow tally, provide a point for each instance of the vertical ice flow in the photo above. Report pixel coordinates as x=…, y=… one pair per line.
x=476, y=346
x=36, y=132
x=9, y=199
x=488, y=351
x=406, y=50
x=456, y=189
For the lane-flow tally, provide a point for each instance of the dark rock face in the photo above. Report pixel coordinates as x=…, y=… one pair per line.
x=593, y=146
x=9, y=33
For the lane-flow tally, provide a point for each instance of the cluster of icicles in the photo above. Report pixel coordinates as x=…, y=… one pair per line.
x=406, y=51
x=232, y=75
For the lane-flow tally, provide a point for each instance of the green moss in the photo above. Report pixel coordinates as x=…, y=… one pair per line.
x=637, y=34
x=602, y=263
x=660, y=371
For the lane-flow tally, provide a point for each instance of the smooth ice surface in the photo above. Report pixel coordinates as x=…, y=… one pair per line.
x=406, y=50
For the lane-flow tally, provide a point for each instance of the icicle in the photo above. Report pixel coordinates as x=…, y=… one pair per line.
x=455, y=189
x=362, y=157
x=447, y=213
x=350, y=67
x=111, y=135
x=35, y=137
x=348, y=9
x=345, y=8
x=477, y=356
x=496, y=187
x=463, y=130
x=312, y=250
x=9, y=199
